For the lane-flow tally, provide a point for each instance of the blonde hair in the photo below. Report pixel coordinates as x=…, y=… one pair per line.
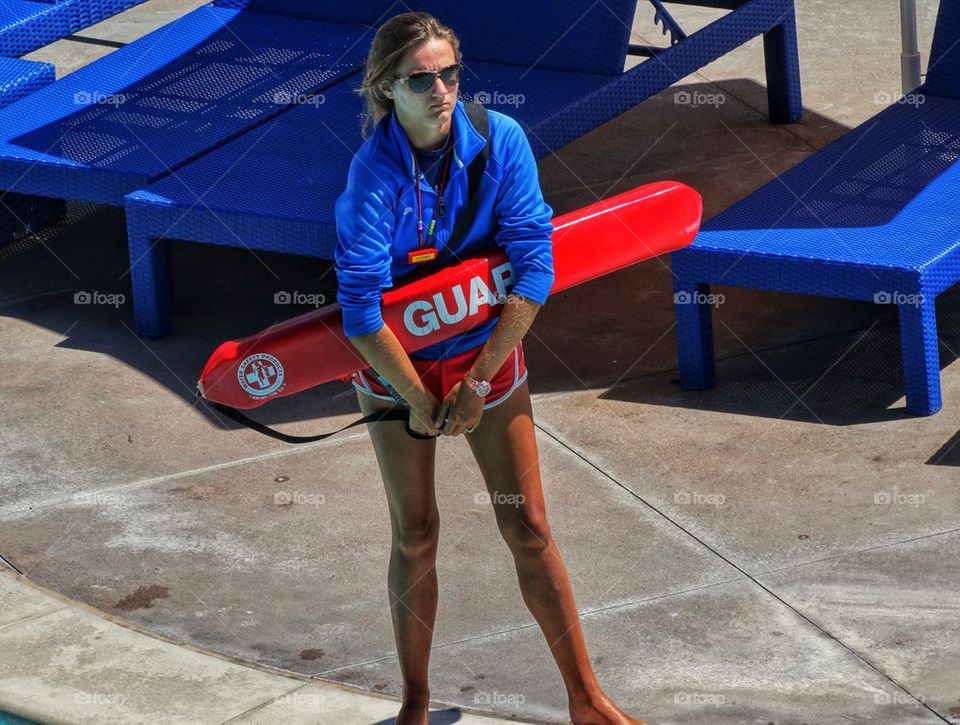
x=395, y=37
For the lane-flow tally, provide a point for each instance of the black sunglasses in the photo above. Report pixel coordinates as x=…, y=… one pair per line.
x=423, y=81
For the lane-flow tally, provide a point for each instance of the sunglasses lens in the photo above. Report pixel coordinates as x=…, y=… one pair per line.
x=420, y=82
x=450, y=76
x=423, y=82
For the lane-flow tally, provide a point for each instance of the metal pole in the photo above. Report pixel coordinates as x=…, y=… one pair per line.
x=910, y=57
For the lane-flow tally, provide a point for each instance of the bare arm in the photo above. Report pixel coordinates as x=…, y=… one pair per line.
x=462, y=409
x=515, y=319
x=383, y=351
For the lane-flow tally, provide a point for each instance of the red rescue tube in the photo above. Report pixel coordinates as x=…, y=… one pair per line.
x=311, y=349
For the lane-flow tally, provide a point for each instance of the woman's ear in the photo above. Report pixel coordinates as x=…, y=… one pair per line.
x=385, y=89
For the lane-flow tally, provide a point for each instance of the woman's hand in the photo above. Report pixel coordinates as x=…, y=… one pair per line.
x=461, y=409
x=424, y=415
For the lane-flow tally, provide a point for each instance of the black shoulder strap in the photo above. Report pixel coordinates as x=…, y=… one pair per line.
x=477, y=113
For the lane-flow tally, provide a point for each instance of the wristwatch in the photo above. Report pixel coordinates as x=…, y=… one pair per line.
x=481, y=388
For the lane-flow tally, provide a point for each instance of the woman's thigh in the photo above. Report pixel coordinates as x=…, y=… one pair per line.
x=407, y=466
x=505, y=448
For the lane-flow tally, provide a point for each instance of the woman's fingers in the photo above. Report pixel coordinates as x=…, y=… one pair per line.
x=465, y=411
x=422, y=426
x=442, y=415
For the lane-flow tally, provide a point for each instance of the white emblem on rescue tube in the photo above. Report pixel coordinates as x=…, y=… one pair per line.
x=260, y=375
x=422, y=317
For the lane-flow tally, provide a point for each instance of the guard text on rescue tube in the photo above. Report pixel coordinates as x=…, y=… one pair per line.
x=424, y=316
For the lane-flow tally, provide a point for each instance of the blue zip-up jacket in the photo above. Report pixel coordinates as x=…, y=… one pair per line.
x=376, y=219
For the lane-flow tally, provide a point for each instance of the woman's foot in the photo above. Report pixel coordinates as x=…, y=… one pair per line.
x=601, y=712
x=414, y=714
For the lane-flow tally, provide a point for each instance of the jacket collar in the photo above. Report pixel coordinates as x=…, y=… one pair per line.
x=467, y=141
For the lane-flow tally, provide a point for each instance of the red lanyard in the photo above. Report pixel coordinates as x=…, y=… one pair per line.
x=428, y=254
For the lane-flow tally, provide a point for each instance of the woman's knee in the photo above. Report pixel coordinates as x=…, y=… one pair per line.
x=417, y=535
x=522, y=530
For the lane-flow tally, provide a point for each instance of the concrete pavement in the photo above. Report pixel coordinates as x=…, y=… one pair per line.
x=782, y=548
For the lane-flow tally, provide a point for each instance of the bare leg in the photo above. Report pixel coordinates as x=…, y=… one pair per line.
x=407, y=468
x=505, y=447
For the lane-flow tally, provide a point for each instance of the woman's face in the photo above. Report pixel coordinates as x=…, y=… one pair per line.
x=432, y=108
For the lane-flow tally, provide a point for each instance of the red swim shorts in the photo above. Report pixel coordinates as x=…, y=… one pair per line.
x=439, y=376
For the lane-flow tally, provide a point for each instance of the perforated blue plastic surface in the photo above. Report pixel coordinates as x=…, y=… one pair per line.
x=20, y=212
x=146, y=109
x=26, y=25
x=19, y=78
x=573, y=36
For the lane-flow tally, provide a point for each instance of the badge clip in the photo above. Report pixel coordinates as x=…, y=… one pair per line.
x=418, y=256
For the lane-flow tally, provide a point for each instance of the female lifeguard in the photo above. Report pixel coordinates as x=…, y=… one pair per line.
x=406, y=187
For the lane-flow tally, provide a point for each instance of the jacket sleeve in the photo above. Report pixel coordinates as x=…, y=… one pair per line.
x=524, y=217
x=364, y=219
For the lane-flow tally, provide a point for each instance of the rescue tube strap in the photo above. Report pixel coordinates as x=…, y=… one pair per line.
x=388, y=414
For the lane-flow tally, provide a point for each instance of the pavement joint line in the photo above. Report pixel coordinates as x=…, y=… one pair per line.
x=83, y=609
x=522, y=627
x=30, y=618
x=855, y=552
x=143, y=483
x=862, y=658
x=263, y=705
x=299, y=680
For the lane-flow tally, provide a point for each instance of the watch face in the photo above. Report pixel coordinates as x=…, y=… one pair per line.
x=482, y=389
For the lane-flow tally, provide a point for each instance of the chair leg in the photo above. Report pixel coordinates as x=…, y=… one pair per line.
x=151, y=283
x=919, y=348
x=694, y=334
x=784, y=95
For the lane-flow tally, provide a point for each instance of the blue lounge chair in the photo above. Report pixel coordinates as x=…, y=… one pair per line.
x=26, y=25
x=22, y=213
x=20, y=78
x=148, y=108
x=557, y=68
x=873, y=216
